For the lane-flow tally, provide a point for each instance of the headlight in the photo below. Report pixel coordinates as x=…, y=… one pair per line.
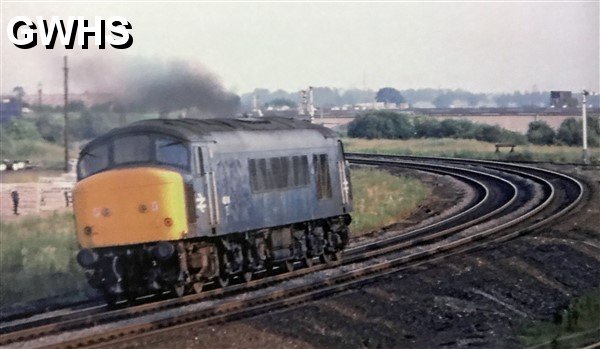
x=164, y=250
x=87, y=258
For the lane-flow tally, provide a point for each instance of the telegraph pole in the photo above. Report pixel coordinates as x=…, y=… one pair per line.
x=40, y=95
x=66, y=130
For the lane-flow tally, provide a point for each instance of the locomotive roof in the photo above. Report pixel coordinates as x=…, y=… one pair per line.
x=201, y=129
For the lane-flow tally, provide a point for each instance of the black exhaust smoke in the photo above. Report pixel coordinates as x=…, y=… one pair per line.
x=142, y=84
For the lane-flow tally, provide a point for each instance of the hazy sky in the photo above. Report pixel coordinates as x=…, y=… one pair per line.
x=485, y=47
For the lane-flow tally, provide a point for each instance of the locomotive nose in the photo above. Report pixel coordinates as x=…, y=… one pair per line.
x=130, y=206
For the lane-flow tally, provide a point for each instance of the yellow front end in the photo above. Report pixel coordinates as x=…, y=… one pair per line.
x=130, y=206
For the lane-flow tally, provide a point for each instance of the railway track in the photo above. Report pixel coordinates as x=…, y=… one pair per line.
x=507, y=196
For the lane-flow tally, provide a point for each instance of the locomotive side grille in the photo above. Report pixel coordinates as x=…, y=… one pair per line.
x=190, y=203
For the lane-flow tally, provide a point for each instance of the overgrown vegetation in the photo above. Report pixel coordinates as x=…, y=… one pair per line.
x=381, y=199
x=37, y=260
x=573, y=327
x=20, y=140
x=570, y=132
x=393, y=125
x=468, y=148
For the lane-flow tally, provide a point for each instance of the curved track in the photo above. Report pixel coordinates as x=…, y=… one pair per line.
x=507, y=195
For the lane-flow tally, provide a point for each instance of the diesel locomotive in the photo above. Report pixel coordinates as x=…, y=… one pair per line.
x=176, y=204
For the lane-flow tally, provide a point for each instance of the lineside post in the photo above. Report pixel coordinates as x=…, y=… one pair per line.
x=585, y=155
x=66, y=106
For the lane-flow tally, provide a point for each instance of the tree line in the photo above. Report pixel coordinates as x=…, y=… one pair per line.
x=394, y=125
x=326, y=97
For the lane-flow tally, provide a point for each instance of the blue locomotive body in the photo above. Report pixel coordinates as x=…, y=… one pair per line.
x=258, y=193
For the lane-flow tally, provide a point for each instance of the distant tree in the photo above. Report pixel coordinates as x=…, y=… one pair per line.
x=382, y=124
x=49, y=130
x=444, y=100
x=389, y=95
x=20, y=129
x=19, y=92
x=355, y=96
x=76, y=105
x=280, y=102
x=570, y=132
x=540, y=133
x=326, y=96
x=427, y=127
x=90, y=125
x=457, y=128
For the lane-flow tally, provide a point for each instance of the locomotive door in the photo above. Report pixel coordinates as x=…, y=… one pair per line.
x=205, y=186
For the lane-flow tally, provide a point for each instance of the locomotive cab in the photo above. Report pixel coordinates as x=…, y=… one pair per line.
x=131, y=200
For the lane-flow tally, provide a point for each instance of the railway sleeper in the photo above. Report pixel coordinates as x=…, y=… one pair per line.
x=128, y=272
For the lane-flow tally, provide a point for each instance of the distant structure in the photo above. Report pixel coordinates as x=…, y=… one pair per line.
x=39, y=101
x=255, y=108
x=562, y=99
x=307, y=104
x=10, y=108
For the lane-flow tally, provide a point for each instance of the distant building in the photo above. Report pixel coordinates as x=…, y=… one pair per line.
x=9, y=109
x=562, y=99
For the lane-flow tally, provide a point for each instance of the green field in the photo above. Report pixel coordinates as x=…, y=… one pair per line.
x=468, y=148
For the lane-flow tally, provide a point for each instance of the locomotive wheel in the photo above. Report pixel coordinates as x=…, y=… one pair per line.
x=288, y=265
x=247, y=276
x=307, y=261
x=325, y=258
x=337, y=256
x=198, y=286
x=222, y=281
x=178, y=289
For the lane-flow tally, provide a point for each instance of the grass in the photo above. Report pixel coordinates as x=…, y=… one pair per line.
x=381, y=199
x=47, y=155
x=574, y=327
x=468, y=148
x=37, y=260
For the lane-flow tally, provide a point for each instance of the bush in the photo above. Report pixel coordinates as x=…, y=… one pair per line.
x=90, y=125
x=391, y=125
x=382, y=124
x=20, y=129
x=426, y=127
x=50, y=130
x=540, y=133
x=488, y=133
x=452, y=128
x=570, y=132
